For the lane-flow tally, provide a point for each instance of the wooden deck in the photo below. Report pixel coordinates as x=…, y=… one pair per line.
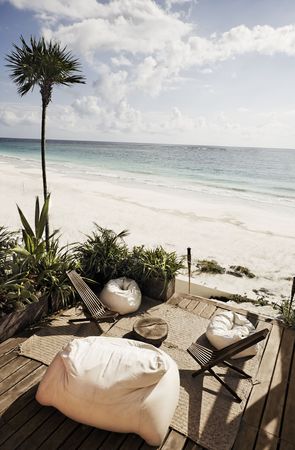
x=267, y=421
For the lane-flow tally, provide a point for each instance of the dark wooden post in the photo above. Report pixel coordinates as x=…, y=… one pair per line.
x=292, y=295
x=189, y=263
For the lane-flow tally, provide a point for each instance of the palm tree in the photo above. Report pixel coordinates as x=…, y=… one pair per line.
x=43, y=64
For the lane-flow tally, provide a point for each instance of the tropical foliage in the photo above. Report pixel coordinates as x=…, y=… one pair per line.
x=103, y=256
x=42, y=64
x=30, y=272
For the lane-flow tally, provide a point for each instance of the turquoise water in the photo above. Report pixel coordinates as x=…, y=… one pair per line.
x=262, y=175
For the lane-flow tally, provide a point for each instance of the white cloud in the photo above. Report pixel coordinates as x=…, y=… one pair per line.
x=11, y=116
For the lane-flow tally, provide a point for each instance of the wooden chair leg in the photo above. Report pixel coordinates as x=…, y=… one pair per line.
x=237, y=369
x=225, y=385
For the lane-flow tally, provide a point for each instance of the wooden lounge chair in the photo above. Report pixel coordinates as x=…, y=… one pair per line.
x=208, y=358
x=97, y=310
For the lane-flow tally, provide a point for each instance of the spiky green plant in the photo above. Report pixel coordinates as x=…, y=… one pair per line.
x=103, y=256
x=45, y=65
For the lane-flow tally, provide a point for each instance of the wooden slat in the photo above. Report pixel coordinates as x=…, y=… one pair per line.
x=190, y=445
x=18, y=421
x=184, y=302
x=113, y=441
x=26, y=367
x=284, y=445
x=59, y=435
x=208, y=311
x=288, y=428
x=199, y=308
x=273, y=411
x=32, y=433
x=19, y=404
x=132, y=442
x=192, y=305
x=266, y=441
x=254, y=409
x=76, y=438
x=9, y=369
x=94, y=439
x=22, y=386
x=223, y=305
x=11, y=344
x=175, y=299
x=5, y=359
x=246, y=437
x=174, y=441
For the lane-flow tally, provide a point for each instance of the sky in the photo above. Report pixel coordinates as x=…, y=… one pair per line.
x=200, y=72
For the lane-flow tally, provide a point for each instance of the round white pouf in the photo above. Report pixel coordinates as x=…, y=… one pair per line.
x=229, y=327
x=114, y=384
x=121, y=295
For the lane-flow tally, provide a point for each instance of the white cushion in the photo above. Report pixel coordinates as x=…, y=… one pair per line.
x=121, y=295
x=229, y=327
x=115, y=384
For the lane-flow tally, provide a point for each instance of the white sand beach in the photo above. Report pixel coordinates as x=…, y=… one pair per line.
x=231, y=232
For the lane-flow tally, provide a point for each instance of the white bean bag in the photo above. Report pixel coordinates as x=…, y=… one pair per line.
x=229, y=327
x=121, y=295
x=115, y=384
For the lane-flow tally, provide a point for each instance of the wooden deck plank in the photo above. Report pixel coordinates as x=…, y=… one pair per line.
x=184, y=302
x=246, y=437
x=273, y=412
x=132, y=442
x=94, y=439
x=22, y=386
x=174, y=441
x=9, y=428
x=113, y=441
x=5, y=359
x=199, y=308
x=19, y=404
x=288, y=429
x=76, y=438
x=11, y=344
x=175, y=299
x=59, y=435
x=26, y=367
x=192, y=305
x=208, y=311
x=251, y=419
x=33, y=432
x=255, y=405
x=284, y=445
x=190, y=445
x=266, y=441
x=9, y=369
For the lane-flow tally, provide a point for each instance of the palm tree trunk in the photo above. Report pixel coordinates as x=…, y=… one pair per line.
x=43, y=162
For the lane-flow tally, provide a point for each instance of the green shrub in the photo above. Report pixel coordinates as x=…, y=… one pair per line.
x=145, y=264
x=287, y=314
x=240, y=271
x=103, y=256
x=209, y=266
x=35, y=272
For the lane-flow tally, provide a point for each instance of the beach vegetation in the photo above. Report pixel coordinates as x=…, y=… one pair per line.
x=209, y=266
x=103, y=255
x=240, y=271
x=42, y=64
x=30, y=271
x=157, y=263
x=286, y=313
x=238, y=298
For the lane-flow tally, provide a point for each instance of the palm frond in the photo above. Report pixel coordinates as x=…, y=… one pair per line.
x=43, y=64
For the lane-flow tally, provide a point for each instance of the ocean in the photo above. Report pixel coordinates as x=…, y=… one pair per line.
x=234, y=205
x=263, y=176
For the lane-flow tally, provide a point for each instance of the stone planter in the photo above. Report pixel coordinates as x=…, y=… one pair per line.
x=18, y=320
x=155, y=288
